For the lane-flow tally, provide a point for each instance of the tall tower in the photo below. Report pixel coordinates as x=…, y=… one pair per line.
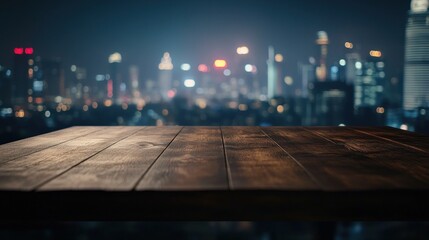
x=23, y=74
x=416, y=72
x=165, y=75
x=274, y=83
x=322, y=41
x=116, y=88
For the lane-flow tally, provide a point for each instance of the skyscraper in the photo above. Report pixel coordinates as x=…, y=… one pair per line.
x=416, y=72
x=23, y=73
x=165, y=75
x=115, y=82
x=274, y=74
x=322, y=41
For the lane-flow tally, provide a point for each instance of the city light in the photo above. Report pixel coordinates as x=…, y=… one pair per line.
x=73, y=68
x=220, y=63
x=189, y=83
x=203, y=68
x=358, y=65
x=166, y=62
x=278, y=57
x=185, y=67
x=342, y=62
x=380, y=110
x=248, y=68
x=227, y=72
x=375, y=53
x=18, y=51
x=288, y=80
x=115, y=58
x=29, y=51
x=242, y=50
x=348, y=45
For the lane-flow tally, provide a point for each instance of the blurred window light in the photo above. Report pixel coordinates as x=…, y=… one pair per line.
x=220, y=63
x=280, y=109
x=227, y=72
x=115, y=58
x=312, y=60
x=242, y=50
x=278, y=57
x=288, y=80
x=8, y=73
x=31, y=62
x=203, y=68
x=375, y=53
x=100, y=77
x=334, y=69
x=348, y=45
x=404, y=127
x=166, y=62
x=29, y=51
x=248, y=68
x=171, y=93
x=185, y=67
x=380, y=110
x=358, y=65
x=18, y=51
x=73, y=68
x=189, y=83
x=342, y=62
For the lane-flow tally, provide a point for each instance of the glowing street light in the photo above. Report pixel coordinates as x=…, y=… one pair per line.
x=189, y=83
x=203, y=68
x=185, y=67
x=375, y=53
x=243, y=50
x=278, y=57
x=220, y=63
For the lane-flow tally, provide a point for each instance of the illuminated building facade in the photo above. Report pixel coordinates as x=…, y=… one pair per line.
x=274, y=75
x=370, y=81
x=322, y=41
x=116, y=88
x=416, y=72
x=23, y=74
x=165, y=76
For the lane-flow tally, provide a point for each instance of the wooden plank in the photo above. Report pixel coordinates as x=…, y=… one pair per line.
x=120, y=166
x=409, y=139
x=28, y=172
x=409, y=162
x=193, y=161
x=257, y=162
x=338, y=168
x=31, y=145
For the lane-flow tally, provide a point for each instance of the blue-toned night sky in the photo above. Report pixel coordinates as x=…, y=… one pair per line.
x=86, y=32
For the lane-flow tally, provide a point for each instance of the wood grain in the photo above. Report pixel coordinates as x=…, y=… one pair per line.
x=119, y=166
x=193, y=161
x=257, y=162
x=336, y=167
x=28, y=172
x=409, y=162
x=30, y=145
x=405, y=138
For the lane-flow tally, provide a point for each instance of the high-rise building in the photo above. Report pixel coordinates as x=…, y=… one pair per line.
x=370, y=81
x=165, y=76
x=23, y=74
x=115, y=86
x=321, y=70
x=416, y=72
x=5, y=87
x=53, y=78
x=274, y=73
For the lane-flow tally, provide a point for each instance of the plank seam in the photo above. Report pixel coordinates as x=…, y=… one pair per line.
x=85, y=159
x=228, y=169
x=39, y=150
x=389, y=140
x=153, y=163
x=314, y=179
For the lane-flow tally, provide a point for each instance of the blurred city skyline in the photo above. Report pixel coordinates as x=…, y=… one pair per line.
x=85, y=33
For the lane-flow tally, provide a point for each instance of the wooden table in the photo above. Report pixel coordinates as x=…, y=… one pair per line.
x=234, y=173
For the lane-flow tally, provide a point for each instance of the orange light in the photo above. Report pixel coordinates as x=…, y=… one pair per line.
x=348, y=45
x=203, y=68
x=374, y=53
x=220, y=63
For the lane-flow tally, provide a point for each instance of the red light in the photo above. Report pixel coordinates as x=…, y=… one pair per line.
x=28, y=50
x=18, y=51
x=220, y=63
x=110, y=88
x=203, y=68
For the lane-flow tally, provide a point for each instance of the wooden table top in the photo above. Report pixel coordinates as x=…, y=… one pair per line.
x=290, y=173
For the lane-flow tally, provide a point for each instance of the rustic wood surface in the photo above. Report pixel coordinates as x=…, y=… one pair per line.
x=289, y=173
